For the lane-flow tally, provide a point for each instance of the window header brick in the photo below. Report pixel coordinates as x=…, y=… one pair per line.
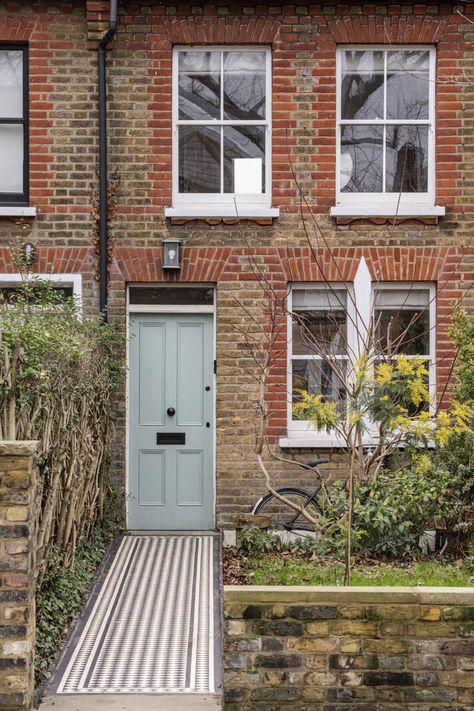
x=402, y=29
x=221, y=30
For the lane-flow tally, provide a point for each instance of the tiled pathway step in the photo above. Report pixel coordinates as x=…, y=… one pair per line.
x=152, y=630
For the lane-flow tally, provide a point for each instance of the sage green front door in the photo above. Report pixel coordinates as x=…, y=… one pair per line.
x=171, y=481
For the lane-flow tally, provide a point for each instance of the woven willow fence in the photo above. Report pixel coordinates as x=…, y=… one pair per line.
x=58, y=378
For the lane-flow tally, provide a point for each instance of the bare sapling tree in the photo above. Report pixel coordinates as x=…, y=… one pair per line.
x=362, y=371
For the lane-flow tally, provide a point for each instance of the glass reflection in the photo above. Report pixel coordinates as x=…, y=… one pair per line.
x=199, y=159
x=11, y=81
x=199, y=85
x=244, y=85
x=316, y=332
x=407, y=159
x=401, y=321
x=317, y=377
x=11, y=158
x=361, y=167
x=362, y=85
x=408, y=85
x=242, y=142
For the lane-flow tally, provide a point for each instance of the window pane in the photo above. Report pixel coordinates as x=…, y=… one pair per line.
x=407, y=159
x=319, y=298
x=199, y=159
x=402, y=321
x=408, y=85
x=244, y=85
x=317, y=332
x=11, y=158
x=317, y=378
x=11, y=83
x=361, y=163
x=244, y=142
x=171, y=295
x=362, y=85
x=199, y=85
x=10, y=294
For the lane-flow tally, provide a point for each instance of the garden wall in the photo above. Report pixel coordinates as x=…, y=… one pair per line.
x=364, y=649
x=17, y=551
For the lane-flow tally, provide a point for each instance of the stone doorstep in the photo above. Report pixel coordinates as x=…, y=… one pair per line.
x=335, y=595
x=136, y=702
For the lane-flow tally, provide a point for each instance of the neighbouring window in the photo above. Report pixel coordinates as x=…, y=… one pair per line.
x=326, y=319
x=320, y=328
x=13, y=124
x=66, y=286
x=385, y=117
x=403, y=325
x=222, y=120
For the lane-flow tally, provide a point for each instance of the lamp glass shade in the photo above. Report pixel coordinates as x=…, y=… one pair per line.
x=171, y=254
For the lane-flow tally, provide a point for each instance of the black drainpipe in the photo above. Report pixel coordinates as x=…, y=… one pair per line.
x=103, y=180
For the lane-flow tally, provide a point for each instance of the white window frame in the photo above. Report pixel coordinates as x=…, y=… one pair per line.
x=297, y=427
x=72, y=280
x=301, y=433
x=222, y=204
x=418, y=286
x=388, y=204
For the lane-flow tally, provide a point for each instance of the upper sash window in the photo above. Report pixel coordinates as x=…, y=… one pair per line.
x=222, y=129
x=385, y=129
x=13, y=124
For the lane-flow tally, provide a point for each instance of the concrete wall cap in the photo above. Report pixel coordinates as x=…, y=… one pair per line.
x=18, y=448
x=335, y=594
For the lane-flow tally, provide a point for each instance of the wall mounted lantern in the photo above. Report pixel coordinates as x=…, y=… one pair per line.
x=171, y=254
x=28, y=251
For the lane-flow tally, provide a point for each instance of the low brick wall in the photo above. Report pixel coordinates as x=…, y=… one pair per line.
x=17, y=602
x=359, y=649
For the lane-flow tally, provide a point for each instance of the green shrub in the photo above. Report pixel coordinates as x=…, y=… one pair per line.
x=392, y=511
x=62, y=595
x=457, y=457
x=255, y=541
x=59, y=374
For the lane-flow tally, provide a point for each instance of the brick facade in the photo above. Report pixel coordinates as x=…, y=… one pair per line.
x=62, y=37
x=17, y=575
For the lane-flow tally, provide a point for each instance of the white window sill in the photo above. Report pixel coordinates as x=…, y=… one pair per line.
x=210, y=211
x=321, y=441
x=313, y=441
x=7, y=211
x=414, y=210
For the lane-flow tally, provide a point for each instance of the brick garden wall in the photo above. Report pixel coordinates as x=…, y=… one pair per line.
x=62, y=37
x=365, y=649
x=17, y=584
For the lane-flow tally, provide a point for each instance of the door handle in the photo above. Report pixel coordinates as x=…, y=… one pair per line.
x=171, y=411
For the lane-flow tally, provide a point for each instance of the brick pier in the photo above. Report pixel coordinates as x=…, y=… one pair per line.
x=17, y=558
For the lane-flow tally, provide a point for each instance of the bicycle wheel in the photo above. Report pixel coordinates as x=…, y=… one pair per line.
x=281, y=515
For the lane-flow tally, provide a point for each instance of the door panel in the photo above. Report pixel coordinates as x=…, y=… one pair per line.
x=152, y=364
x=190, y=375
x=171, y=486
x=189, y=480
x=151, y=478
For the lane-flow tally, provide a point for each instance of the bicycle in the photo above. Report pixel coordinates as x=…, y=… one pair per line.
x=282, y=516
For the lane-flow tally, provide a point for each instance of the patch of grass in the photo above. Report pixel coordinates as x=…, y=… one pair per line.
x=285, y=570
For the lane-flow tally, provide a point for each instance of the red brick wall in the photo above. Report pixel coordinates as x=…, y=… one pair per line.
x=63, y=151
x=303, y=39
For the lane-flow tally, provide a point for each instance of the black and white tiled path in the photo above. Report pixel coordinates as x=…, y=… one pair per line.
x=154, y=625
